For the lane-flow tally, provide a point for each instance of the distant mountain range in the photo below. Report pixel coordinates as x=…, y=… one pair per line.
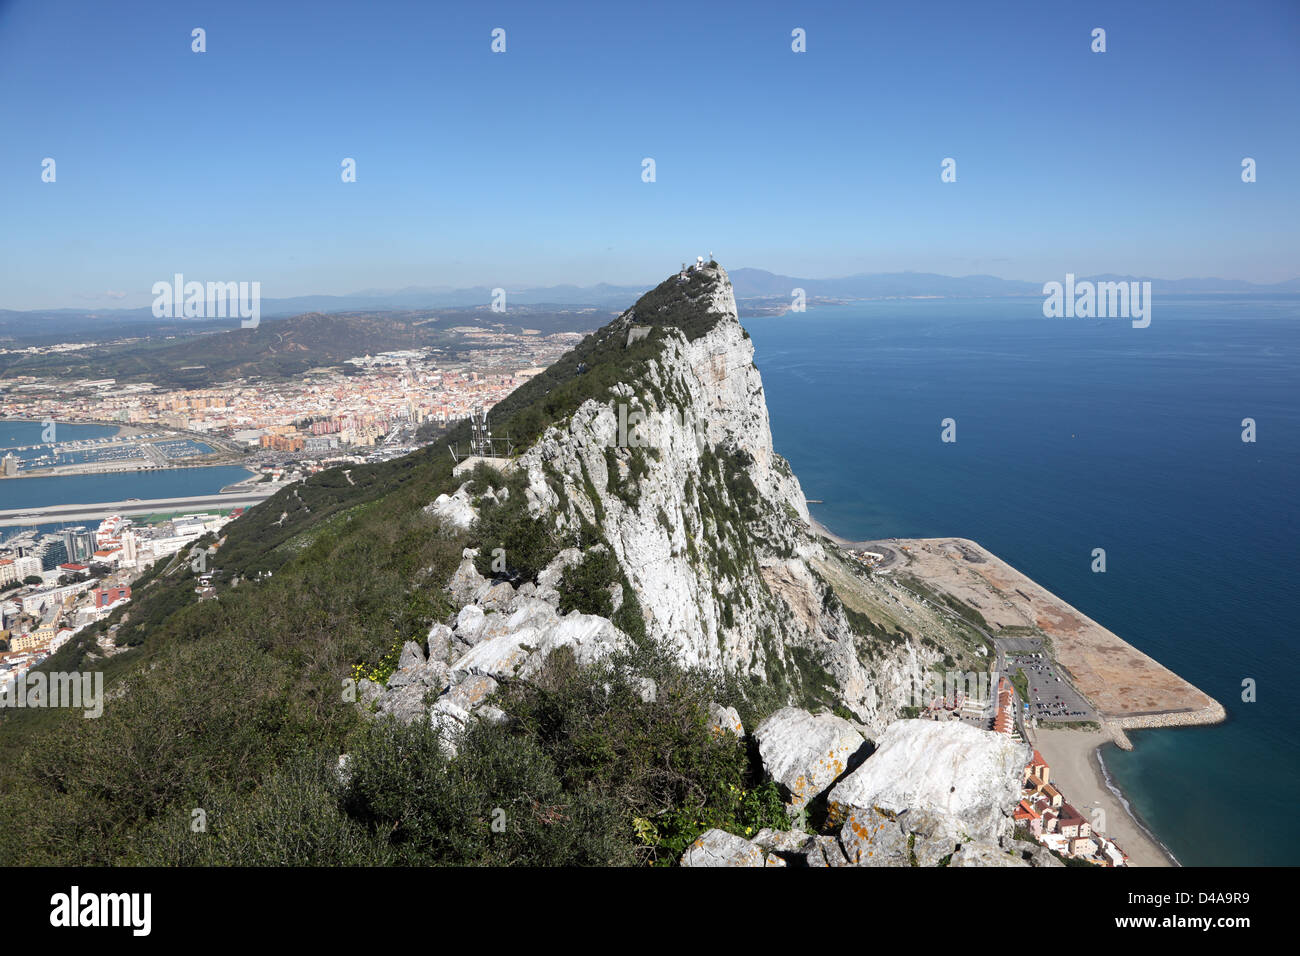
x=282, y=348
x=442, y=297
x=749, y=284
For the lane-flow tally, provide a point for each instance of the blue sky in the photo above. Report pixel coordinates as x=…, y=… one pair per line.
x=524, y=168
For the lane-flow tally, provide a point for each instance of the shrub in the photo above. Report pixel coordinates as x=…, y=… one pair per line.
x=293, y=819
x=585, y=586
x=530, y=543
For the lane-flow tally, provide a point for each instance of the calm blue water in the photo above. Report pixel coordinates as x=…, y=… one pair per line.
x=76, y=489
x=1079, y=434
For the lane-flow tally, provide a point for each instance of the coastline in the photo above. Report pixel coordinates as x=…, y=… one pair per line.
x=1078, y=768
x=124, y=430
x=827, y=533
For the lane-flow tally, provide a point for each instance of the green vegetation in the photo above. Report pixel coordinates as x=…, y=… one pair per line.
x=161, y=516
x=240, y=706
x=528, y=543
x=601, y=361
x=588, y=587
x=943, y=599
x=1021, y=683
x=815, y=683
x=676, y=302
x=586, y=772
x=1018, y=630
x=1070, y=725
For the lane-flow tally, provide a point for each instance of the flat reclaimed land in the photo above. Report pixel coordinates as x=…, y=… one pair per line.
x=1129, y=688
x=22, y=517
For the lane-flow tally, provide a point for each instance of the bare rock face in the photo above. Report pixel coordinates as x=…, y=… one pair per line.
x=781, y=841
x=725, y=720
x=432, y=675
x=825, y=851
x=499, y=596
x=466, y=581
x=405, y=703
x=933, y=836
x=469, y=622
x=411, y=655
x=471, y=692
x=697, y=397
x=513, y=637
x=439, y=643
x=806, y=754
x=454, y=510
x=1038, y=855
x=986, y=854
x=522, y=652
x=708, y=524
x=414, y=672
x=719, y=848
x=872, y=838
x=957, y=782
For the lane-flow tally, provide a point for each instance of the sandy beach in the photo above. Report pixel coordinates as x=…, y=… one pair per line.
x=1072, y=756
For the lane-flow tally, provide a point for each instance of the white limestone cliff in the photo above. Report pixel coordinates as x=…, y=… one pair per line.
x=726, y=594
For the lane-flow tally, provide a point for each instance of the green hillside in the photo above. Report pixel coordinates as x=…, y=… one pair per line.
x=234, y=711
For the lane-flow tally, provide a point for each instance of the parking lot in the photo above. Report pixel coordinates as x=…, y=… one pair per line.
x=1051, y=697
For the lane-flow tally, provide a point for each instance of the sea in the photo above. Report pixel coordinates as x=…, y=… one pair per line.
x=1077, y=434
x=83, y=489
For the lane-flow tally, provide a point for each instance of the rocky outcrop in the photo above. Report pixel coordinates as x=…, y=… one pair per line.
x=725, y=720
x=933, y=794
x=1035, y=854
x=520, y=651
x=956, y=783
x=709, y=525
x=986, y=854
x=806, y=754
x=719, y=848
x=824, y=851
x=781, y=841
x=872, y=838
x=455, y=510
x=674, y=466
x=505, y=634
x=466, y=581
x=671, y=470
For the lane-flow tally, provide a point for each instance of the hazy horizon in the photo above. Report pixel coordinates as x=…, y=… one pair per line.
x=618, y=288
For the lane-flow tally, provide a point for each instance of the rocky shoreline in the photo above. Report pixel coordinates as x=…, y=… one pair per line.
x=1205, y=716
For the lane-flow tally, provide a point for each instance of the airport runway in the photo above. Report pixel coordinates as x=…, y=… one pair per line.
x=24, y=517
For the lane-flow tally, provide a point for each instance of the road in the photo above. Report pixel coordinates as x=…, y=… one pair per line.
x=24, y=517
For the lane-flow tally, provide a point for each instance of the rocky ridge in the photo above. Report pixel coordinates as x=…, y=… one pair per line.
x=707, y=522
x=710, y=533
